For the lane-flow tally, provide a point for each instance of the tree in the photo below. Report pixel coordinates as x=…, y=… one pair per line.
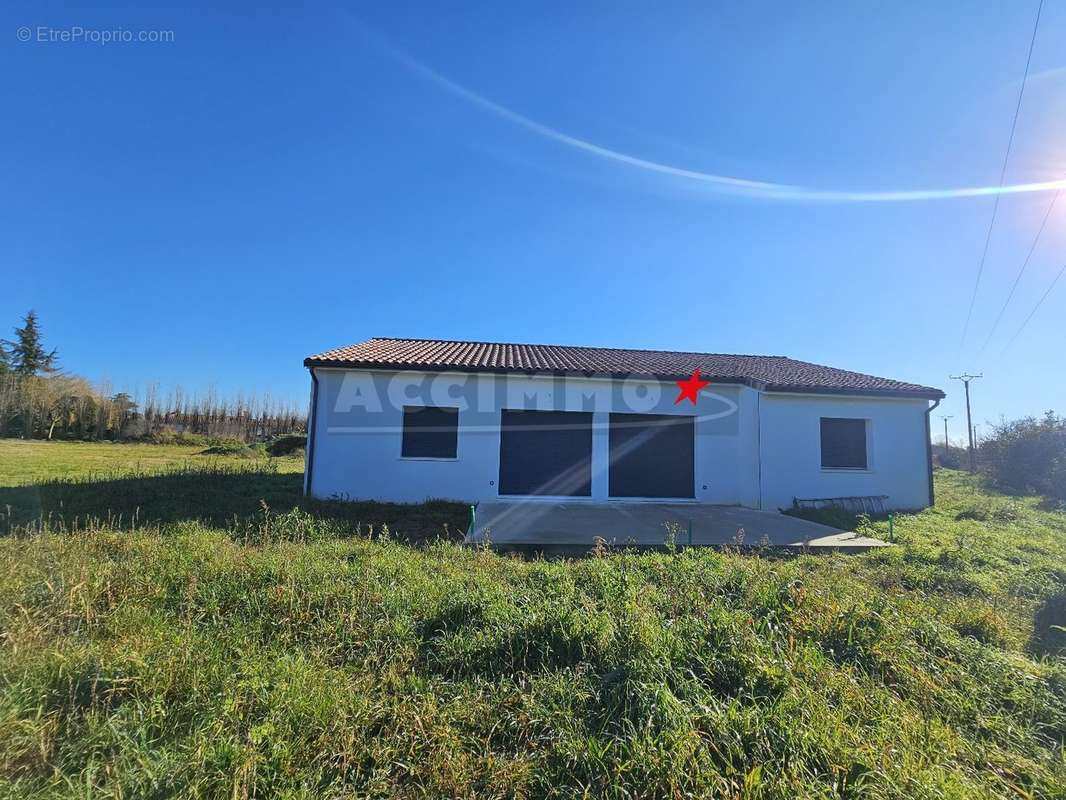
x=123, y=409
x=26, y=355
x=1028, y=455
x=60, y=399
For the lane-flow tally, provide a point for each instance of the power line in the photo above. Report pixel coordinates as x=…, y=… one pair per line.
x=1039, y=303
x=1002, y=176
x=1017, y=279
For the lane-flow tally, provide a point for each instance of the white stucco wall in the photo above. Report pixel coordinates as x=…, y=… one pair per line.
x=357, y=443
x=791, y=450
x=357, y=438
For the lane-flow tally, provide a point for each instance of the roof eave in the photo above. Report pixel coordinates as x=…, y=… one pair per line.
x=382, y=365
x=926, y=393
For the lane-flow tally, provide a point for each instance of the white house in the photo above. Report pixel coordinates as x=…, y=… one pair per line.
x=409, y=419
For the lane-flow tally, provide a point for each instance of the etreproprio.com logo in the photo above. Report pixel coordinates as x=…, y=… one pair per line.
x=78, y=34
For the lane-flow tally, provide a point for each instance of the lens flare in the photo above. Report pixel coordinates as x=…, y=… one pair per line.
x=725, y=184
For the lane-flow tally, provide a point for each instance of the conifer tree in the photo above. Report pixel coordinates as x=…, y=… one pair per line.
x=26, y=355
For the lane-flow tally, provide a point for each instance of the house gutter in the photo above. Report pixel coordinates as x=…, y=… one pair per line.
x=929, y=449
x=758, y=443
x=312, y=427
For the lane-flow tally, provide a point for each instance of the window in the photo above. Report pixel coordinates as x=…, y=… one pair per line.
x=429, y=432
x=843, y=443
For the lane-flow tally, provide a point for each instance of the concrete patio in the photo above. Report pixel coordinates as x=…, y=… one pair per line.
x=534, y=525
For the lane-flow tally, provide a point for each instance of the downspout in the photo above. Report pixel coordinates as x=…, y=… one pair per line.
x=758, y=443
x=929, y=449
x=312, y=426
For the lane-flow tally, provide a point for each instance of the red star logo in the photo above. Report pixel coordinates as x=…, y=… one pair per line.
x=691, y=388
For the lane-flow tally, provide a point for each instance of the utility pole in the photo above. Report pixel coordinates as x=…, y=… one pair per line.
x=947, y=443
x=966, y=378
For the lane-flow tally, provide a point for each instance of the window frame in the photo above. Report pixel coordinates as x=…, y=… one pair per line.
x=403, y=433
x=867, y=449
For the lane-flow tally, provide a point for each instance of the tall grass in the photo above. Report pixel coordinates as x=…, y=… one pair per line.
x=295, y=655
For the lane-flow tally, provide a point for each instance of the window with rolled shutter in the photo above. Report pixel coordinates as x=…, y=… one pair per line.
x=843, y=443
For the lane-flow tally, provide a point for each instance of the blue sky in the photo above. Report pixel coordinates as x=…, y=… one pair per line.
x=278, y=181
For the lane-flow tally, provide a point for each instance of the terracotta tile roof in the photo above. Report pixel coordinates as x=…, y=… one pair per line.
x=771, y=373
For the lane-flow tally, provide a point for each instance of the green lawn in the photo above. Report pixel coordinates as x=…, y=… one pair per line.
x=65, y=485
x=25, y=461
x=311, y=652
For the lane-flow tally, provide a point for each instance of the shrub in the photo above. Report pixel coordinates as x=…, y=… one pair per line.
x=287, y=445
x=170, y=436
x=949, y=459
x=232, y=449
x=1028, y=456
x=986, y=510
x=978, y=513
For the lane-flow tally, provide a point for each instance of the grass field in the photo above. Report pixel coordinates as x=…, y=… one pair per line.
x=235, y=651
x=81, y=485
x=25, y=461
